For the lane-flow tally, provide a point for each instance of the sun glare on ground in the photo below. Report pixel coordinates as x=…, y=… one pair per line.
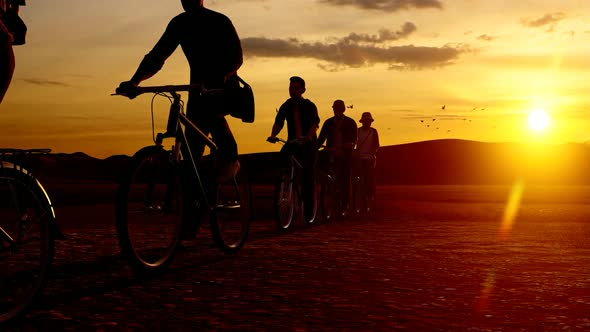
x=538, y=120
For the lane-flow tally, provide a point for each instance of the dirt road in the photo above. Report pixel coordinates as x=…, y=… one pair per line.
x=430, y=259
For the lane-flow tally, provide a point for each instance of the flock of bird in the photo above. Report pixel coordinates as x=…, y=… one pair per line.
x=430, y=123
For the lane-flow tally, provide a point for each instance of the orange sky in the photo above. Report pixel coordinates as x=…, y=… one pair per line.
x=489, y=62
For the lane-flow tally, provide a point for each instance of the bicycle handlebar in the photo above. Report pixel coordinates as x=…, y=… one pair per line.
x=138, y=90
x=273, y=140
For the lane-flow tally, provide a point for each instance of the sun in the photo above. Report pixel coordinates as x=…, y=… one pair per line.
x=539, y=120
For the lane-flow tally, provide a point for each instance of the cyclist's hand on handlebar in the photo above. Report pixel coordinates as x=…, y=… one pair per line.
x=272, y=139
x=127, y=89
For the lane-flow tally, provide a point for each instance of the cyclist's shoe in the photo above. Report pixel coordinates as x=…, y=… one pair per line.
x=228, y=172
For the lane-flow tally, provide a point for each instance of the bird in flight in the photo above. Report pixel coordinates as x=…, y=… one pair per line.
x=443, y=107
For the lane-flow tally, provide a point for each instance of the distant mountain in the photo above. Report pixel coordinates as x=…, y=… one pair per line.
x=429, y=162
x=469, y=162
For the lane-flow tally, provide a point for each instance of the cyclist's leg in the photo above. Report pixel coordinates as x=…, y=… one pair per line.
x=227, y=148
x=211, y=115
x=191, y=215
x=196, y=112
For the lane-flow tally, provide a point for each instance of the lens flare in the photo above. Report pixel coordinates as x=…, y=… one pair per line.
x=510, y=213
x=511, y=208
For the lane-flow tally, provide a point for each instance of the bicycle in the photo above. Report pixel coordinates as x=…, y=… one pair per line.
x=162, y=189
x=28, y=230
x=288, y=199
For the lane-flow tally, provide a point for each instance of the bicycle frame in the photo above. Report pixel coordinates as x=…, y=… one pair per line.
x=176, y=118
x=293, y=165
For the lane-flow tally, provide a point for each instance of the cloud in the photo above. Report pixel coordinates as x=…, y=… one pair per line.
x=486, y=37
x=386, y=5
x=357, y=50
x=549, y=20
x=384, y=35
x=43, y=82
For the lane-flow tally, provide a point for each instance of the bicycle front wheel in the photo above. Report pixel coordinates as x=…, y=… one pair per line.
x=230, y=220
x=149, y=210
x=284, y=202
x=26, y=240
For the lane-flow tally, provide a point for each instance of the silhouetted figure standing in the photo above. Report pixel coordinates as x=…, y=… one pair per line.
x=367, y=146
x=303, y=122
x=340, y=134
x=214, y=53
x=12, y=32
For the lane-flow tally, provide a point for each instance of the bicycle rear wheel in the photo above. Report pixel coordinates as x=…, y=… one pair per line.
x=284, y=202
x=230, y=220
x=149, y=210
x=26, y=240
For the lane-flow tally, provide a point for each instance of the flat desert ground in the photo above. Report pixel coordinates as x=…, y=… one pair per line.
x=430, y=258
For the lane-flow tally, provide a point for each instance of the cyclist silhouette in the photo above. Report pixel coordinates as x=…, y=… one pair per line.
x=302, y=124
x=367, y=146
x=340, y=134
x=214, y=53
x=12, y=32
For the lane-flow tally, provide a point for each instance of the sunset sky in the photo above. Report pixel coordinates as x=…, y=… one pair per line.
x=490, y=63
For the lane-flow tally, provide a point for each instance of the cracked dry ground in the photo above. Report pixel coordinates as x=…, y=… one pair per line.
x=430, y=259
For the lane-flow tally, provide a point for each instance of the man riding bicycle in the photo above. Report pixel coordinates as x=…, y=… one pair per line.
x=340, y=134
x=214, y=53
x=302, y=124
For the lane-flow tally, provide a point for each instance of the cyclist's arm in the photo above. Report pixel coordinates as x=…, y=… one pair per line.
x=312, y=130
x=154, y=60
x=351, y=135
x=376, y=140
x=323, y=135
x=276, y=129
x=279, y=121
x=315, y=124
